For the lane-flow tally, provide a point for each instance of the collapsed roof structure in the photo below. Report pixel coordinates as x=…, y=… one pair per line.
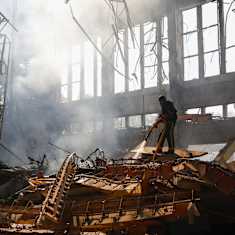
x=134, y=195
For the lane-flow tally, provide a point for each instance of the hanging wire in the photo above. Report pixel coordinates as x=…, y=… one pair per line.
x=132, y=33
x=129, y=23
x=147, y=42
x=93, y=43
x=115, y=31
x=156, y=56
x=110, y=37
x=114, y=15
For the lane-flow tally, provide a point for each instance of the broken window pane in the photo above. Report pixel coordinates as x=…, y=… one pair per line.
x=230, y=33
x=230, y=38
x=231, y=110
x=165, y=50
x=211, y=64
x=165, y=72
x=190, y=20
x=150, y=69
x=99, y=68
x=229, y=19
x=150, y=118
x=119, y=84
x=120, y=123
x=150, y=76
x=230, y=59
x=134, y=59
x=151, y=60
x=194, y=111
x=210, y=39
x=209, y=14
x=88, y=69
x=149, y=32
x=135, y=121
x=150, y=57
x=75, y=91
x=119, y=80
x=134, y=82
x=191, y=68
x=165, y=27
x=216, y=111
x=190, y=44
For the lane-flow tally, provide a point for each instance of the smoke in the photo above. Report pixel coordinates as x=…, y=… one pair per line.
x=34, y=115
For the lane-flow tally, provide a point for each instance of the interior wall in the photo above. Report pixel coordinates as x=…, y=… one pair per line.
x=202, y=92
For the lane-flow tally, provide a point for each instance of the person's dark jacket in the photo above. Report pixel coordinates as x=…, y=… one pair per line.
x=169, y=111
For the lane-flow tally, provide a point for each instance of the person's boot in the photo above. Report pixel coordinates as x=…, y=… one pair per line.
x=159, y=150
x=171, y=150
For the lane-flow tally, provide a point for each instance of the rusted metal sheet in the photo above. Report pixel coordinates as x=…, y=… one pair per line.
x=101, y=215
x=116, y=187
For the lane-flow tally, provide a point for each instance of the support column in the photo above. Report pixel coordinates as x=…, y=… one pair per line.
x=225, y=111
x=203, y=110
x=176, y=76
x=143, y=111
x=127, y=121
x=222, y=37
x=108, y=88
x=200, y=43
x=159, y=55
x=107, y=70
x=142, y=82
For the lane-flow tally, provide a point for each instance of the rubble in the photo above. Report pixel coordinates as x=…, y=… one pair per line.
x=121, y=195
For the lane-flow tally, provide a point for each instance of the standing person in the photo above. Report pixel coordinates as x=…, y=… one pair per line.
x=168, y=116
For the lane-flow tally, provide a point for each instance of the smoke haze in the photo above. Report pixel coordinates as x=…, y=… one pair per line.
x=46, y=32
